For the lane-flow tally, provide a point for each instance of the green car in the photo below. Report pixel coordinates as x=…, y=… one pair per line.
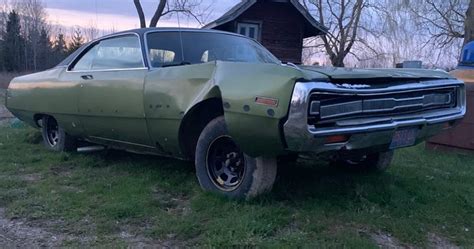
x=224, y=101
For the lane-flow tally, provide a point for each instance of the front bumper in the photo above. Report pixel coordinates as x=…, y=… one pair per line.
x=369, y=133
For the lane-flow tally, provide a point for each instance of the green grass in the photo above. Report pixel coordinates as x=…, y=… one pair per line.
x=104, y=194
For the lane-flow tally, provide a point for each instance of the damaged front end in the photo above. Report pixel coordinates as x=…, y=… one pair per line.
x=373, y=116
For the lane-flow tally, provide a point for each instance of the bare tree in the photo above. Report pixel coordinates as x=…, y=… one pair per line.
x=342, y=17
x=469, y=23
x=33, y=20
x=91, y=32
x=391, y=31
x=190, y=8
x=443, y=20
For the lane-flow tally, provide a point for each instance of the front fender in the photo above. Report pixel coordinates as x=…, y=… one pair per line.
x=255, y=127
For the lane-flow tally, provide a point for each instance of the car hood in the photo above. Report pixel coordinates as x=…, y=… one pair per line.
x=354, y=73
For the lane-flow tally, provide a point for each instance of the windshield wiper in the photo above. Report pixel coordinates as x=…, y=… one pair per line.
x=177, y=64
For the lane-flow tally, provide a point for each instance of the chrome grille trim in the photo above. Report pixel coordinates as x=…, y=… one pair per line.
x=429, y=99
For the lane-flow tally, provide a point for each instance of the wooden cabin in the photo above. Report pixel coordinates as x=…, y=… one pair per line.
x=279, y=25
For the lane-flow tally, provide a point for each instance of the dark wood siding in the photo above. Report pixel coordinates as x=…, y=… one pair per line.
x=281, y=28
x=462, y=136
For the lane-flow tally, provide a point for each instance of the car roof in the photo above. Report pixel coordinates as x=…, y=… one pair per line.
x=142, y=32
x=146, y=30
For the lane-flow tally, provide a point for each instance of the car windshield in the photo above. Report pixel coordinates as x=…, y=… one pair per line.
x=164, y=48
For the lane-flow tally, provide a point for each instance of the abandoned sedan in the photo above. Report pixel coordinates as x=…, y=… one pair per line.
x=224, y=101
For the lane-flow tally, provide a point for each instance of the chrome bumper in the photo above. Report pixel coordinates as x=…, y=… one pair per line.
x=365, y=133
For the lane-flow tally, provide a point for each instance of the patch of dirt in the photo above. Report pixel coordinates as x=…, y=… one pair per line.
x=387, y=241
x=17, y=233
x=384, y=240
x=31, y=177
x=62, y=170
x=173, y=204
x=135, y=240
x=5, y=115
x=435, y=241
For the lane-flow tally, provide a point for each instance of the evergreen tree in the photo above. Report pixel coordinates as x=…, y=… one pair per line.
x=13, y=44
x=76, y=42
x=59, y=48
x=2, y=59
x=44, y=50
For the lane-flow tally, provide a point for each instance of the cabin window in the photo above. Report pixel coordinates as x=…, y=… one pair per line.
x=249, y=29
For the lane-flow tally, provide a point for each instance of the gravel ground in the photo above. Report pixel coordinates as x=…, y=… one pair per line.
x=4, y=113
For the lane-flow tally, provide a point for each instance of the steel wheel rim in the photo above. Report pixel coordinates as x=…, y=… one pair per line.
x=225, y=164
x=52, y=132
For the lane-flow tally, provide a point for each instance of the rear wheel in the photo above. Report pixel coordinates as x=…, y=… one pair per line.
x=223, y=168
x=377, y=162
x=54, y=137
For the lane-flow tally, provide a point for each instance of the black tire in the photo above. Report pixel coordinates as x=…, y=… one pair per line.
x=54, y=137
x=222, y=168
x=378, y=162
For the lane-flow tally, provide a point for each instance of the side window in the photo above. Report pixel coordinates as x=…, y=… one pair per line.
x=113, y=53
x=118, y=53
x=164, y=48
x=85, y=62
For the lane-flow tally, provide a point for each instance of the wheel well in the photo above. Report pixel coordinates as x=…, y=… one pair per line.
x=195, y=121
x=38, y=117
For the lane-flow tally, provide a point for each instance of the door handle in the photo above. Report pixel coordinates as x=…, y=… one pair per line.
x=87, y=77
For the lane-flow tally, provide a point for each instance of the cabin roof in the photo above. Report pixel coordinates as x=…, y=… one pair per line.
x=314, y=28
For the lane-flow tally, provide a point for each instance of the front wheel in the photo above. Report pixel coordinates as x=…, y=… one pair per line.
x=54, y=137
x=377, y=162
x=223, y=168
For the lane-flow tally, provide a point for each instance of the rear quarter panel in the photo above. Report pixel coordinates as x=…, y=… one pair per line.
x=44, y=93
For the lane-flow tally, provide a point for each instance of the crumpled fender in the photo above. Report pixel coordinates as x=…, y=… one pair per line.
x=171, y=94
x=256, y=128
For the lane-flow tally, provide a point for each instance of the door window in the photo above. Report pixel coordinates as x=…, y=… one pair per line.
x=249, y=29
x=85, y=63
x=114, y=53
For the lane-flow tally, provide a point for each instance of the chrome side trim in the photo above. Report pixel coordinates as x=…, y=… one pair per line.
x=301, y=137
x=122, y=142
x=109, y=70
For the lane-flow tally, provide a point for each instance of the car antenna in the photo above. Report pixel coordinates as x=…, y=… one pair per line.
x=180, y=38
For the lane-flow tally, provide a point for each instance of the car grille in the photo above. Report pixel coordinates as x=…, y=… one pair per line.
x=325, y=107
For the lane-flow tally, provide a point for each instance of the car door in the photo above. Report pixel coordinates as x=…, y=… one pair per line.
x=110, y=107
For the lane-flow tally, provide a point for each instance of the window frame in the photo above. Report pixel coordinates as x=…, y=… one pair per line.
x=247, y=25
x=145, y=41
x=70, y=67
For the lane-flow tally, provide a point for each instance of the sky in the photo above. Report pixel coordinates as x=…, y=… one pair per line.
x=120, y=14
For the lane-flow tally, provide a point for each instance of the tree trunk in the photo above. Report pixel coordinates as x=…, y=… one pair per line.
x=141, y=15
x=338, y=60
x=469, y=24
x=158, y=13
